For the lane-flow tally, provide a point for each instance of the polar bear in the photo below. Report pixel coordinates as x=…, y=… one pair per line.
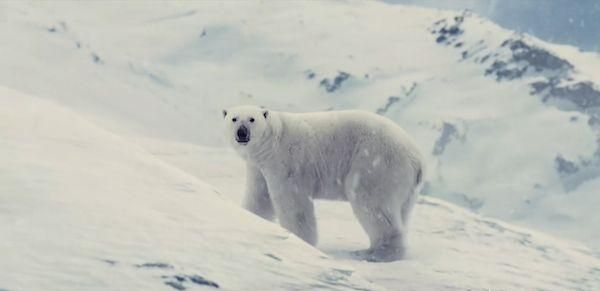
x=357, y=156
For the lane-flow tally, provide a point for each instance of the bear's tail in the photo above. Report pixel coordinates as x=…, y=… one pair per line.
x=419, y=178
x=417, y=164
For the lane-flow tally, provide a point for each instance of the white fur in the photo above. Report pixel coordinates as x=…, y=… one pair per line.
x=366, y=159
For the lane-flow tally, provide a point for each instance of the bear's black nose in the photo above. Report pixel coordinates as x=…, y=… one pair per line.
x=242, y=135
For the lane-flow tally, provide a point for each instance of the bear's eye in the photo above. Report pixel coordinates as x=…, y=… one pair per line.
x=234, y=119
x=251, y=119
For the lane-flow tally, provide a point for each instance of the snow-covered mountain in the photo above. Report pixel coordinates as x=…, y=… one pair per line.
x=102, y=191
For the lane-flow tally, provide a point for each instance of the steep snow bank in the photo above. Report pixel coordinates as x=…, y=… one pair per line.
x=81, y=209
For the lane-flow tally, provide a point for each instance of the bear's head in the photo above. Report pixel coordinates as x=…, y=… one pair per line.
x=247, y=127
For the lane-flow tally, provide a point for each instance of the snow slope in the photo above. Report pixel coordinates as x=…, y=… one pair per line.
x=81, y=209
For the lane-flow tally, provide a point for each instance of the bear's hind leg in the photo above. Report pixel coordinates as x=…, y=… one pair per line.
x=377, y=199
x=384, y=228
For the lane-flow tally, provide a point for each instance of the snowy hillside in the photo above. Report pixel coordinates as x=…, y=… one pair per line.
x=115, y=176
x=82, y=209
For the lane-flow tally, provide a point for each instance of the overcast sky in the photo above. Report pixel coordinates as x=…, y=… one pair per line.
x=575, y=22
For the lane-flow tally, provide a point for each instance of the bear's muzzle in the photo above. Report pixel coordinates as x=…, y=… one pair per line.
x=242, y=135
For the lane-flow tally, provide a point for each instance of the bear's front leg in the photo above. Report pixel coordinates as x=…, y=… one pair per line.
x=257, y=198
x=295, y=210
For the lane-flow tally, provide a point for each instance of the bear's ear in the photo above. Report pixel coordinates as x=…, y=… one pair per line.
x=265, y=113
x=224, y=113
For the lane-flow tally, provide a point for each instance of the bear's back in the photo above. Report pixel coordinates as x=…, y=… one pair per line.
x=338, y=134
x=353, y=125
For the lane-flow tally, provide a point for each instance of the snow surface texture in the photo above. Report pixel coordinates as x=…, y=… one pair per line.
x=109, y=193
